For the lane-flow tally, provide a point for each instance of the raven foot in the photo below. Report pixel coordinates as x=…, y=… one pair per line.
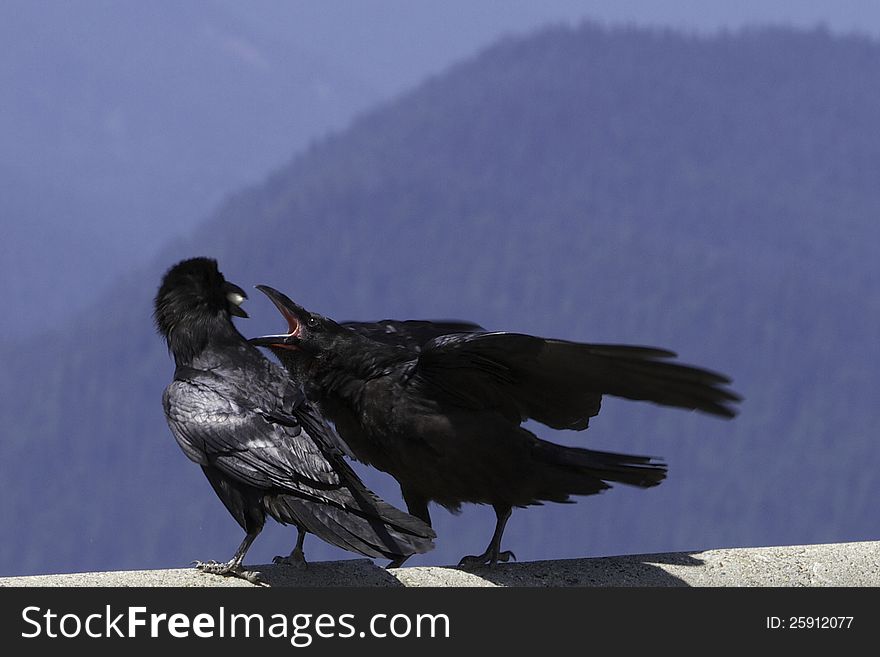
x=296, y=558
x=231, y=569
x=486, y=559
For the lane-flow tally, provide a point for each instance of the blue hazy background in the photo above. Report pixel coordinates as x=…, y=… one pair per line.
x=701, y=176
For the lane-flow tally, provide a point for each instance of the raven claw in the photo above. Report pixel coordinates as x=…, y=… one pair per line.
x=254, y=577
x=485, y=559
x=296, y=558
x=506, y=556
x=231, y=569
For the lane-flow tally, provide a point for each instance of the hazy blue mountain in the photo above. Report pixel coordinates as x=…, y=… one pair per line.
x=717, y=196
x=51, y=260
x=146, y=114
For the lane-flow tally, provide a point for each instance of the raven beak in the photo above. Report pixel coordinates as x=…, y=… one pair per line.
x=294, y=316
x=235, y=296
x=282, y=341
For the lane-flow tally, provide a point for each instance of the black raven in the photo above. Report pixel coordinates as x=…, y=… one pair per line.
x=263, y=447
x=444, y=420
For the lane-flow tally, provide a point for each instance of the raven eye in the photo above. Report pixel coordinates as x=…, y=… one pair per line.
x=313, y=322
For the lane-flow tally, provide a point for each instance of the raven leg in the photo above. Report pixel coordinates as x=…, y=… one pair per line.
x=297, y=557
x=492, y=555
x=417, y=506
x=233, y=567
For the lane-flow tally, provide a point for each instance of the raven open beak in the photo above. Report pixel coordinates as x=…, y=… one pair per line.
x=293, y=314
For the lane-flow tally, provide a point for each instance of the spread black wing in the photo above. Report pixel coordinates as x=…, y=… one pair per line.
x=561, y=383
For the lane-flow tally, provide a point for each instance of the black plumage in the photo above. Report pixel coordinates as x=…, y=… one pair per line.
x=444, y=418
x=411, y=333
x=263, y=447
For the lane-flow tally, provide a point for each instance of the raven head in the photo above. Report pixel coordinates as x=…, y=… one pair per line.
x=306, y=331
x=309, y=335
x=195, y=292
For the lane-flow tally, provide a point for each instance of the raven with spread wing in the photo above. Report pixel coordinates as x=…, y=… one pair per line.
x=444, y=419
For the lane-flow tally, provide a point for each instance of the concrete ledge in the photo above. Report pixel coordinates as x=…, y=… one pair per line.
x=840, y=564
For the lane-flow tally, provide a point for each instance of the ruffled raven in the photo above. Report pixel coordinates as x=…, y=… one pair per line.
x=262, y=446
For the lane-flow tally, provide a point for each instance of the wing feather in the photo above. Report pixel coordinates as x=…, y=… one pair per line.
x=561, y=383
